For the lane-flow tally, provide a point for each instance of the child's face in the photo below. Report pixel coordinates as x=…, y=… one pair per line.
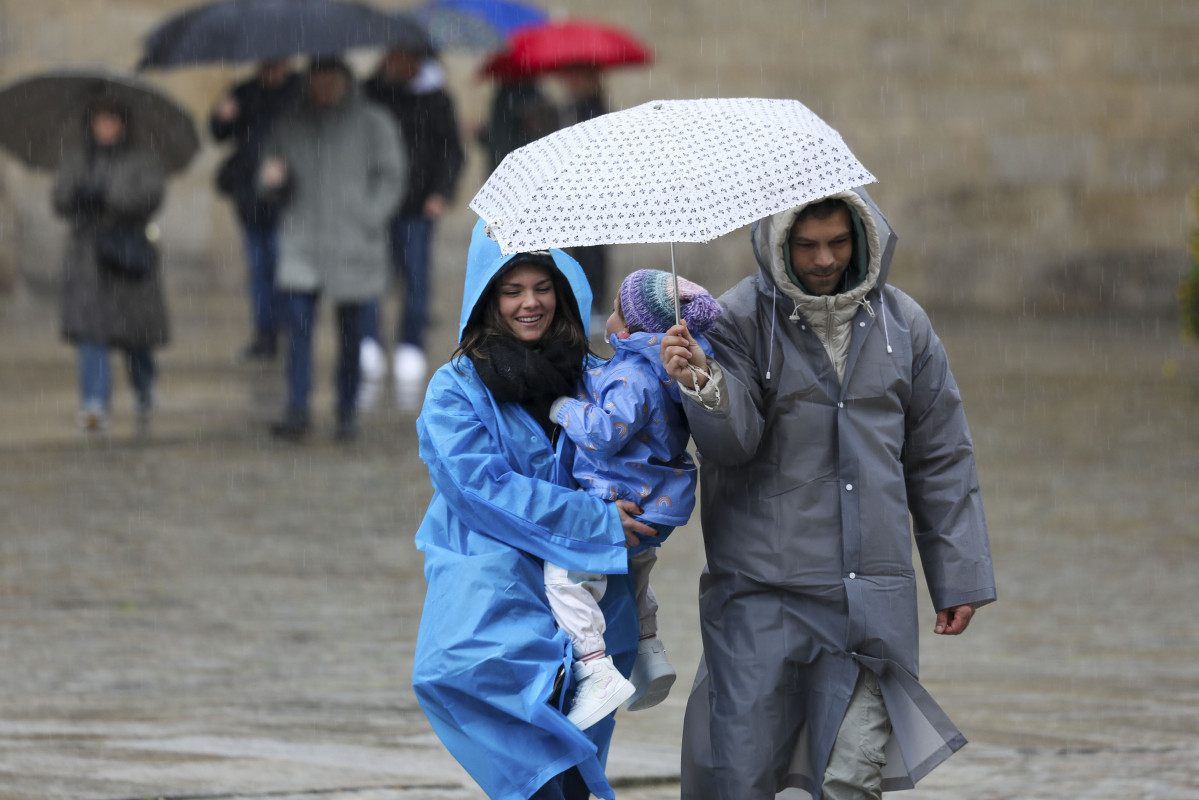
x=616, y=323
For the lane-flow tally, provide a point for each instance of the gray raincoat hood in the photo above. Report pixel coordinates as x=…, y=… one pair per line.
x=829, y=316
x=839, y=418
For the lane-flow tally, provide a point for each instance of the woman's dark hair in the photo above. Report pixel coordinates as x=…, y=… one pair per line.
x=485, y=321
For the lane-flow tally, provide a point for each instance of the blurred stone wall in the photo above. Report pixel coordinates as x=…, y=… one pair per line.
x=1033, y=155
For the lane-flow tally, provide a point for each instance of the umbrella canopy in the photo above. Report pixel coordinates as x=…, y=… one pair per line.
x=556, y=45
x=665, y=171
x=44, y=116
x=475, y=24
x=266, y=30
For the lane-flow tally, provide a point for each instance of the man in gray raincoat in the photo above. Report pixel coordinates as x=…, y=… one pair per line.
x=827, y=415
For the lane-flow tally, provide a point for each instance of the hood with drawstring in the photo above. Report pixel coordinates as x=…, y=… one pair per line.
x=829, y=316
x=838, y=422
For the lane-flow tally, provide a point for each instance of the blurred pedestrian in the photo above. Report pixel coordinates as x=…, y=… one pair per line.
x=336, y=170
x=108, y=190
x=630, y=439
x=246, y=115
x=832, y=434
x=412, y=86
x=586, y=99
x=489, y=657
x=520, y=113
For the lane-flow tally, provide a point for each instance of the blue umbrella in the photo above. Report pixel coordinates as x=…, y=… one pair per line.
x=476, y=24
x=265, y=30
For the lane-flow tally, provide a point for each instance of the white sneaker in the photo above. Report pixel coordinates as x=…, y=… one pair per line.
x=652, y=675
x=372, y=366
x=409, y=369
x=92, y=418
x=601, y=690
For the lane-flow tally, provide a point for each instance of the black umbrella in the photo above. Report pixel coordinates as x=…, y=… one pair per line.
x=44, y=116
x=266, y=30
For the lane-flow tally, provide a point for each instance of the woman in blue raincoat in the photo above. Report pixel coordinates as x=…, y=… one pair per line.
x=490, y=666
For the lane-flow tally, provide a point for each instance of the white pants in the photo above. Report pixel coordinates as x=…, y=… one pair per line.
x=574, y=598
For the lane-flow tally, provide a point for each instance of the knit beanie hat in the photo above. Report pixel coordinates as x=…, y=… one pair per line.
x=647, y=302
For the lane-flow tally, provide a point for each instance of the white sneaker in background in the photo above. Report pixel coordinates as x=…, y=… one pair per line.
x=409, y=371
x=92, y=419
x=372, y=367
x=652, y=675
x=601, y=689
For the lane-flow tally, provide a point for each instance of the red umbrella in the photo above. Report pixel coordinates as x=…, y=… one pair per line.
x=556, y=45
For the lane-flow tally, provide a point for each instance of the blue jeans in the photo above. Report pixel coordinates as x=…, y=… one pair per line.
x=411, y=238
x=262, y=255
x=95, y=374
x=300, y=314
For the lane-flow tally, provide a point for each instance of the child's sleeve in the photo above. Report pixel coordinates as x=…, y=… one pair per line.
x=623, y=403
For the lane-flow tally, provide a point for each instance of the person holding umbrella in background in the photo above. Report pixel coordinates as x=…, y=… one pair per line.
x=110, y=140
x=519, y=112
x=336, y=170
x=107, y=182
x=246, y=115
x=576, y=52
x=410, y=82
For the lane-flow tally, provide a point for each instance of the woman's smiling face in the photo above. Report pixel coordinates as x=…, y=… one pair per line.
x=527, y=301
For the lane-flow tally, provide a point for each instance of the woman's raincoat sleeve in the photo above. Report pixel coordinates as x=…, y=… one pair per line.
x=488, y=493
x=942, y=482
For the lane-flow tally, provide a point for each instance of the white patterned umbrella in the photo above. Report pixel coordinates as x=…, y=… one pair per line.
x=665, y=171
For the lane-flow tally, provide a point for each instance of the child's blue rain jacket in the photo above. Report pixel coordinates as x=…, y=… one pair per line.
x=631, y=433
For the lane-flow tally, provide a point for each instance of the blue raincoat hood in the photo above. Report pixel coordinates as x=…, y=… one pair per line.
x=484, y=261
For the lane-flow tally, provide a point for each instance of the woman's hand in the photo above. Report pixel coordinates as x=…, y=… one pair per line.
x=273, y=173
x=680, y=351
x=633, y=529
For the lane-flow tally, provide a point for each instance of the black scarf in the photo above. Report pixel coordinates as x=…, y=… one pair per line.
x=514, y=373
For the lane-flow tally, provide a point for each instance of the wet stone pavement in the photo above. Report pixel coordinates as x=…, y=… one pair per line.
x=202, y=612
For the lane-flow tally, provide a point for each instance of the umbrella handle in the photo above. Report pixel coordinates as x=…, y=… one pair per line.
x=675, y=275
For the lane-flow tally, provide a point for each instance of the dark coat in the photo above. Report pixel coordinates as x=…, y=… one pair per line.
x=127, y=184
x=430, y=132
x=258, y=110
x=582, y=109
x=520, y=114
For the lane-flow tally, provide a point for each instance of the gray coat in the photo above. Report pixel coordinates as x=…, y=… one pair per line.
x=807, y=485
x=98, y=306
x=346, y=176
